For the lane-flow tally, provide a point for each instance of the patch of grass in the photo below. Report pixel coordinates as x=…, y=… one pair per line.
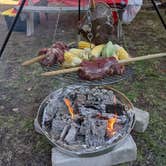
x=27, y=125
x=41, y=145
x=150, y=146
x=11, y=121
x=8, y=122
x=147, y=91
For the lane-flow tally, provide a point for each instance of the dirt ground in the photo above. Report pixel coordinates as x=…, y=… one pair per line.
x=22, y=89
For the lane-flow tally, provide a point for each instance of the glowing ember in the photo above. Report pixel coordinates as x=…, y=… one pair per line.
x=110, y=126
x=68, y=104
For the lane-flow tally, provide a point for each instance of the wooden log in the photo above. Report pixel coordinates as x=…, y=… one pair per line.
x=71, y=135
x=64, y=132
x=95, y=132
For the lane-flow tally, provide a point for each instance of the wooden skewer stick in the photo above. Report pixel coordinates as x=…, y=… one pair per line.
x=38, y=58
x=140, y=58
x=74, y=69
x=33, y=60
x=62, y=71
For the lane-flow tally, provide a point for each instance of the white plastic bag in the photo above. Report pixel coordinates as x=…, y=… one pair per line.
x=131, y=10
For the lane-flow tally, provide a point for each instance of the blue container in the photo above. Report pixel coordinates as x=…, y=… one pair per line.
x=20, y=25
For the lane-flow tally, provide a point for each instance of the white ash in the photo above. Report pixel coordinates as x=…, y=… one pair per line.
x=86, y=132
x=71, y=135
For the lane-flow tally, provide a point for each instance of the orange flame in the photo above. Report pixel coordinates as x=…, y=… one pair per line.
x=68, y=104
x=110, y=126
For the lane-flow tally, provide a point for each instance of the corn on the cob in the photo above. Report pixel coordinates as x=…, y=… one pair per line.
x=71, y=59
x=122, y=54
x=96, y=51
x=84, y=44
x=76, y=51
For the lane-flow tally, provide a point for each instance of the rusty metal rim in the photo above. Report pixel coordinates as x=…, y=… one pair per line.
x=98, y=152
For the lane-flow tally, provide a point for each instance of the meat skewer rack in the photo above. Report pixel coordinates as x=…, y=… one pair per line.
x=73, y=78
x=113, y=79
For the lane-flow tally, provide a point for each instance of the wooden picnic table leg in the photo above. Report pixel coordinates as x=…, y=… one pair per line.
x=30, y=24
x=30, y=21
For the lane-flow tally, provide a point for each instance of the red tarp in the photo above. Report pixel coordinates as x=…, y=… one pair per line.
x=84, y=2
x=75, y=2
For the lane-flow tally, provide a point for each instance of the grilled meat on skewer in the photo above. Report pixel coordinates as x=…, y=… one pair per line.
x=99, y=68
x=60, y=45
x=55, y=54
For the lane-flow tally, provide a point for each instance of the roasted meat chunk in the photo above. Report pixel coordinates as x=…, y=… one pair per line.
x=61, y=45
x=55, y=54
x=99, y=68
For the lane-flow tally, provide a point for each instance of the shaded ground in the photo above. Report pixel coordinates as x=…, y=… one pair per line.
x=22, y=90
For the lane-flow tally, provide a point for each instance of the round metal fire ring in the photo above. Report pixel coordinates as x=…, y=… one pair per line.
x=96, y=152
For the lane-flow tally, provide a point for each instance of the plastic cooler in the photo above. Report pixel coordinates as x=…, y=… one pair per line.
x=20, y=25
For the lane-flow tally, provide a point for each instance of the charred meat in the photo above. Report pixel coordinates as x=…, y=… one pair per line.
x=55, y=54
x=99, y=68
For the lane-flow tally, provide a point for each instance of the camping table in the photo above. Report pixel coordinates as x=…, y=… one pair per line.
x=31, y=9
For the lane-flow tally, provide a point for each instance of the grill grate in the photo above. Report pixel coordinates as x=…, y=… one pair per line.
x=73, y=78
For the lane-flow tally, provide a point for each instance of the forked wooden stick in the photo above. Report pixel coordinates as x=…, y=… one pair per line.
x=74, y=69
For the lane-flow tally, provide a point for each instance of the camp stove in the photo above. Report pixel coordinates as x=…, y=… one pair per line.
x=86, y=121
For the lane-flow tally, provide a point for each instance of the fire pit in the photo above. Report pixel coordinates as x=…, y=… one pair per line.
x=86, y=121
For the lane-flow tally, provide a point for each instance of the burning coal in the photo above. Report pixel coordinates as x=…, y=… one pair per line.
x=84, y=119
x=110, y=126
x=68, y=104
